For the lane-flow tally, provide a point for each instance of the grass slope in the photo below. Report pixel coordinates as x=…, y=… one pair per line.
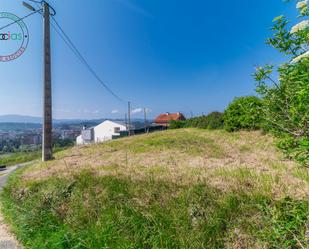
x=23, y=157
x=19, y=157
x=185, y=188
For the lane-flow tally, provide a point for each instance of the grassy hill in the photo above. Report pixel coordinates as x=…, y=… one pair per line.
x=184, y=188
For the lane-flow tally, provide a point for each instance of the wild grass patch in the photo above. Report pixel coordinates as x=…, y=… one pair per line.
x=19, y=157
x=186, y=189
x=192, y=143
x=92, y=211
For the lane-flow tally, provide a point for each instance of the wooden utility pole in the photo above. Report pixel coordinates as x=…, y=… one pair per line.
x=126, y=120
x=47, y=109
x=145, y=119
x=129, y=117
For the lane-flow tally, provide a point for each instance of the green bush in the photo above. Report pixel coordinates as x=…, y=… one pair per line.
x=297, y=148
x=286, y=101
x=213, y=120
x=243, y=113
x=177, y=124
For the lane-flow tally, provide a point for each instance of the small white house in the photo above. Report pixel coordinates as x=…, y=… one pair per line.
x=103, y=132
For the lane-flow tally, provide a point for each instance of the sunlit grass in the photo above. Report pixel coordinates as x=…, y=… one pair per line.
x=187, y=188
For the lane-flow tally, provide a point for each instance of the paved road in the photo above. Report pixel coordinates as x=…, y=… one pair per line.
x=6, y=173
x=7, y=240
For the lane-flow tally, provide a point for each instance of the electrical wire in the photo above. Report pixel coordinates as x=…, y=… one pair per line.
x=82, y=59
x=62, y=34
x=56, y=30
x=37, y=2
x=20, y=19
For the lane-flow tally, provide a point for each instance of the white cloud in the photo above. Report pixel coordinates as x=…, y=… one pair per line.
x=148, y=110
x=91, y=111
x=115, y=111
x=137, y=110
x=140, y=110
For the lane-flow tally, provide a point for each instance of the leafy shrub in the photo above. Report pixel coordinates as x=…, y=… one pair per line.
x=297, y=148
x=177, y=124
x=286, y=101
x=243, y=113
x=213, y=120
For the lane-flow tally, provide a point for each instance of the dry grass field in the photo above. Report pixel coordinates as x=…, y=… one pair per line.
x=187, y=188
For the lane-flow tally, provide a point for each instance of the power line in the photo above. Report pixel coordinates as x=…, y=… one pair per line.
x=60, y=34
x=20, y=19
x=36, y=2
x=82, y=59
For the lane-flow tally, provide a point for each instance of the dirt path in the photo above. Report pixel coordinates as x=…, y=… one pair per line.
x=7, y=240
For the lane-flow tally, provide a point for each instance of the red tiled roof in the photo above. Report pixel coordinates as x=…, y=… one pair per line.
x=167, y=117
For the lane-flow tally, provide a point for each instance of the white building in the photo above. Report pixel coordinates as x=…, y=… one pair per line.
x=105, y=131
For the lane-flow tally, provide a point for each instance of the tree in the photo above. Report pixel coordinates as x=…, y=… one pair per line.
x=286, y=101
x=243, y=113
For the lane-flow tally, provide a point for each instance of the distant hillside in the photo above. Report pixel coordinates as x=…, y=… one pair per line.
x=185, y=188
x=19, y=119
x=18, y=126
x=38, y=120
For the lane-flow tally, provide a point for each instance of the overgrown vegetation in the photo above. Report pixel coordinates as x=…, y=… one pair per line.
x=212, y=121
x=109, y=212
x=161, y=190
x=19, y=157
x=283, y=106
x=243, y=113
x=286, y=102
x=24, y=156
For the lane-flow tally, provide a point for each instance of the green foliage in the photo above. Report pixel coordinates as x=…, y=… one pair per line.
x=212, y=121
x=286, y=102
x=63, y=143
x=285, y=223
x=19, y=157
x=177, y=124
x=215, y=120
x=297, y=148
x=26, y=154
x=243, y=113
x=284, y=40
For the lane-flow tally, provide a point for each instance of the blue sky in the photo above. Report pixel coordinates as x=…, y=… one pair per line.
x=165, y=55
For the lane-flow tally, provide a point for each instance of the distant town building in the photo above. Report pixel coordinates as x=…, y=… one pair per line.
x=4, y=136
x=31, y=139
x=69, y=134
x=164, y=119
x=105, y=131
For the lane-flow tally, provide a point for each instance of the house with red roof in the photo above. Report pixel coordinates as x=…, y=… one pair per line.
x=164, y=119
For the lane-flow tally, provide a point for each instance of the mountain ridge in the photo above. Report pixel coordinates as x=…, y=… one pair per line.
x=15, y=118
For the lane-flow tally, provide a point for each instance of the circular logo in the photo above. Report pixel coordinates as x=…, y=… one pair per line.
x=14, y=38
